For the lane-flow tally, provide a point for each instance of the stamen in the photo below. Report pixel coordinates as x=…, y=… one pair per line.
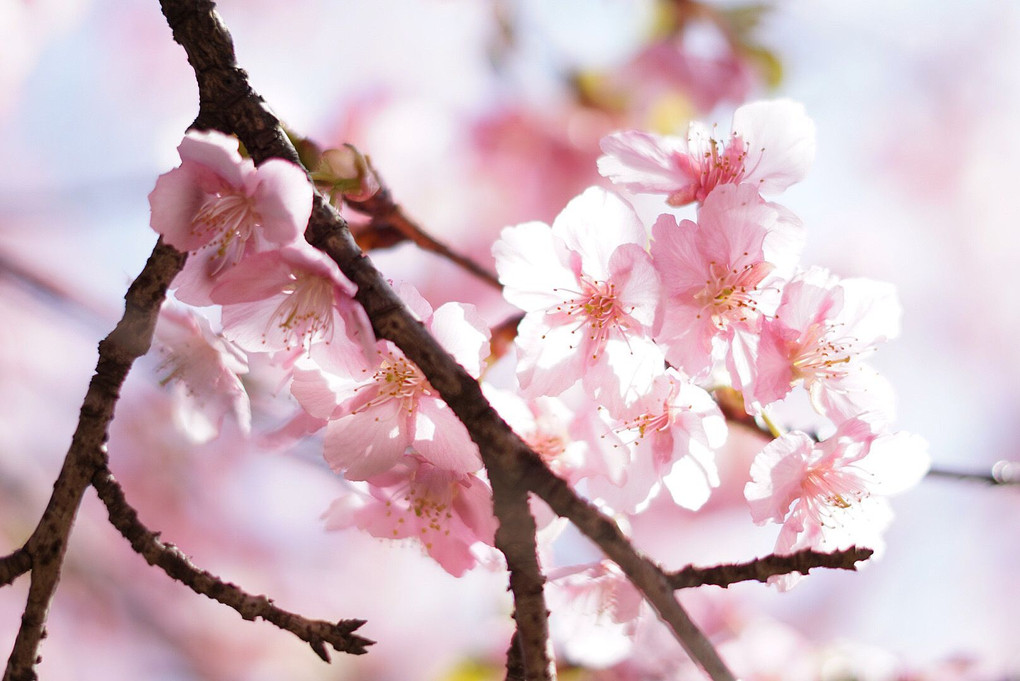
x=306, y=312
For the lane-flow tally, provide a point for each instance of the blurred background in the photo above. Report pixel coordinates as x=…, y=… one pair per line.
x=479, y=115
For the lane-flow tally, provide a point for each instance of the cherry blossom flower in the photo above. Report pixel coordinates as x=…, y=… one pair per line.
x=544, y=423
x=449, y=513
x=721, y=275
x=290, y=298
x=207, y=367
x=831, y=494
x=594, y=612
x=221, y=208
x=379, y=404
x=672, y=433
x=590, y=295
x=819, y=336
x=771, y=147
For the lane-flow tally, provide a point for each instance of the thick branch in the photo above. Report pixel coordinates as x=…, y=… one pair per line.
x=760, y=569
x=177, y=566
x=87, y=454
x=515, y=670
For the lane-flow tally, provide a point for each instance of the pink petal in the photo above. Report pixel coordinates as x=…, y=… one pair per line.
x=218, y=153
x=174, y=202
x=283, y=200
x=781, y=143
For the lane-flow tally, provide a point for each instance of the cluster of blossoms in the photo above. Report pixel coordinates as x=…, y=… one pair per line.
x=629, y=328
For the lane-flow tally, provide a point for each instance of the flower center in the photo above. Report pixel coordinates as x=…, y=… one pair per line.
x=548, y=447
x=306, y=312
x=828, y=490
x=730, y=294
x=396, y=379
x=229, y=220
x=820, y=356
x=721, y=164
x=431, y=503
x=598, y=309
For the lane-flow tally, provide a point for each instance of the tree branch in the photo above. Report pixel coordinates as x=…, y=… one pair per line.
x=760, y=569
x=176, y=565
x=1002, y=473
x=386, y=214
x=516, y=539
x=87, y=454
x=14, y=565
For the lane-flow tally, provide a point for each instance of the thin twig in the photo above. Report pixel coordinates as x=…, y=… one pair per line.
x=87, y=454
x=176, y=565
x=760, y=569
x=387, y=214
x=1002, y=473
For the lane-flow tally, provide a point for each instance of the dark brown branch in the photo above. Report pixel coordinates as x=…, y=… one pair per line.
x=760, y=569
x=516, y=539
x=87, y=454
x=14, y=565
x=176, y=565
x=387, y=214
x=515, y=660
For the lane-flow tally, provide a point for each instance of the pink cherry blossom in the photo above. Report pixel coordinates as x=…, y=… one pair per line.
x=221, y=208
x=448, y=513
x=670, y=68
x=672, y=433
x=590, y=295
x=379, y=404
x=721, y=275
x=207, y=367
x=831, y=494
x=771, y=146
x=819, y=336
x=290, y=298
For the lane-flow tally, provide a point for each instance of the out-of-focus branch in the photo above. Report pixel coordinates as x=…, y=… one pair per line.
x=239, y=109
x=386, y=214
x=87, y=454
x=1002, y=473
x=176, y=565
x=760, y=569
x=14, y=565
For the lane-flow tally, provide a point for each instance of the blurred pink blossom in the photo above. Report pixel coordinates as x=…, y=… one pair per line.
x=207, y=366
